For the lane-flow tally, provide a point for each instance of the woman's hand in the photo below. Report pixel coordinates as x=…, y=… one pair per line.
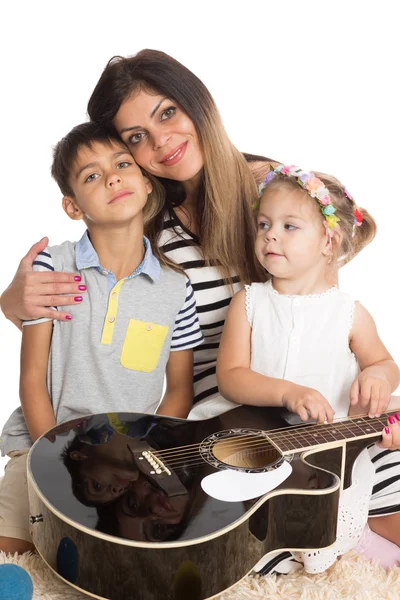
x=31, y=293
x=391, y=434
x=308, y=403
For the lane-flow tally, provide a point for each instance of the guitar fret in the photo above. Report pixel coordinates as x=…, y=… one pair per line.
x=315, y=435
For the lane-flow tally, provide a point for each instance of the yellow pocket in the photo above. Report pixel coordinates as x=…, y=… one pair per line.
x=142, y=346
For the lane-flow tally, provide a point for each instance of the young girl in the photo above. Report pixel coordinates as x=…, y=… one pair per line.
x=298, y=342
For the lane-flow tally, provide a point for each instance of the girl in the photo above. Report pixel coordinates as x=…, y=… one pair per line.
x=297, y=341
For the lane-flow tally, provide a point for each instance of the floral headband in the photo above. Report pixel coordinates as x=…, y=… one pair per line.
x=317, y=190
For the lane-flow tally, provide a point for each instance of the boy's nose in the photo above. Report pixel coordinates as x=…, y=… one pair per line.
x=113, y=178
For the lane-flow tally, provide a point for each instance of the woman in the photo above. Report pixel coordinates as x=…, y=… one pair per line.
x=169, y=121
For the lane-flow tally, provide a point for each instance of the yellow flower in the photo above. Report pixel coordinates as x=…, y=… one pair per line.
x=332, y=221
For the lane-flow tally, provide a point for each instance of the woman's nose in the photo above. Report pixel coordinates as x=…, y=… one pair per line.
x=160, y=139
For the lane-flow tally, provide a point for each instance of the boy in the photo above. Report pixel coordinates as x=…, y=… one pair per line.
x=114, y=353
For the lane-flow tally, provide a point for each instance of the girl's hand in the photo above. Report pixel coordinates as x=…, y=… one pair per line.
x=30, y=292
x=372, y=391
x=391, y=434
x=307, y=402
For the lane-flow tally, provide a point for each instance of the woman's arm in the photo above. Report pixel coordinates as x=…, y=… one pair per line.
x=178, y=397
x=30, y=293
x=35, y=400
x=238, y=383
x=380, y=376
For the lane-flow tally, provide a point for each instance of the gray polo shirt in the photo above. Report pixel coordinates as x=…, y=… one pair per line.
x=112, y=355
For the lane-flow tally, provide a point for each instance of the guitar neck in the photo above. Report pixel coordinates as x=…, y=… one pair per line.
x=295, y=439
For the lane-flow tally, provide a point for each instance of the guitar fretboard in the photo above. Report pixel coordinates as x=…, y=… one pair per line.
x=305, y=437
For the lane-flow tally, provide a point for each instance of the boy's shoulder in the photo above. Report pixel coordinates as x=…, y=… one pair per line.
x=62, y=255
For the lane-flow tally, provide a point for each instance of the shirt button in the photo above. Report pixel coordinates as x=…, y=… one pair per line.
x=149, y=327
x=115, y=295
x=296, y=302
x=104, y=272
x=111, y=319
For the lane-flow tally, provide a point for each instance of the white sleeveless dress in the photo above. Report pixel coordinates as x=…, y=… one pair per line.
x=305, y=339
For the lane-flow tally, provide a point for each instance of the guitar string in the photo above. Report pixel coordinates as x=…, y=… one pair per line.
x=279, y=436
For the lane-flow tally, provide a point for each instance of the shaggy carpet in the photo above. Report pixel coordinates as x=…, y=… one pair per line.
x=351, y=578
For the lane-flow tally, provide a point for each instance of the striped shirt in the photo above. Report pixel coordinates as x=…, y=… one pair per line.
x=212, y=295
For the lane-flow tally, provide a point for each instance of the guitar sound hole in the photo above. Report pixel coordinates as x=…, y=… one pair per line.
x=246, y=452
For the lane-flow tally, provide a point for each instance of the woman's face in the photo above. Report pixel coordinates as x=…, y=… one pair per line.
x=161, y=137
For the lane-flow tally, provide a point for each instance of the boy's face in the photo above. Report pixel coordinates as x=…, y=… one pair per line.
x=108, y=186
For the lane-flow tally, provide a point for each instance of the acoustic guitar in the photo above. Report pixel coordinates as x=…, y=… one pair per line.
x=132, y=506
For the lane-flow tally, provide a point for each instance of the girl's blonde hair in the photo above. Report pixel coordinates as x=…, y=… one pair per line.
x=354, y=238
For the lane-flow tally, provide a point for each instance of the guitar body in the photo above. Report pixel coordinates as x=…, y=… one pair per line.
x=216, y=543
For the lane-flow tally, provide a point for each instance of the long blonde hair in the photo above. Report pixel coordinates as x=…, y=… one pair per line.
x=227, y=190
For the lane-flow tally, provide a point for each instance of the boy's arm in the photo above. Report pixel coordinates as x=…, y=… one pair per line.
x=178, y=397
x=35, y=400
x=380, y=376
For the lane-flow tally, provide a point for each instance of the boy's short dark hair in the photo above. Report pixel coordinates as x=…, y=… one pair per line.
x=65, y=152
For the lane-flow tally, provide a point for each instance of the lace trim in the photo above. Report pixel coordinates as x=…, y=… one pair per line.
x=327, y=292
x=249, y=308
x=351, y=315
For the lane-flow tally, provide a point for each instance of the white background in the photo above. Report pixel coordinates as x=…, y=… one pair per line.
x=310, y=83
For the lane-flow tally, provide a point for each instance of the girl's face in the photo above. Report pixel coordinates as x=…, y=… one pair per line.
x=161, y=137
x=291, y=238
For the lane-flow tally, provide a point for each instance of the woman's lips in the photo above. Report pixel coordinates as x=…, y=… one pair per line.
x=175, y=156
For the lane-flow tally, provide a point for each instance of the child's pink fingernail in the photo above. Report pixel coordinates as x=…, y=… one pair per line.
x=397, y=415
x=392, y=420
x=82, y=288
x=387, y=430
x=78, y=278
x=79, y=299
x=68, y=317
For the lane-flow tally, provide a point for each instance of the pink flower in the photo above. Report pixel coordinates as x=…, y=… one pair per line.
x=314, y=183
x=325, y=200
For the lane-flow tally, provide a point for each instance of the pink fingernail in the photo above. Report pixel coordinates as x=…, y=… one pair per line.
x=68, y=317
x=392, y=420
x=79, y=299
x=78, y=278
x=397, y=415
x=82, y=288
x=387, y=430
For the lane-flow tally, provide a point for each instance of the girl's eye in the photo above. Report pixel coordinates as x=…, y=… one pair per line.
x=92, y=177
x=123, y=164
x=168, y=113
x=263, y=225
x=290, y=227
x=137, y=137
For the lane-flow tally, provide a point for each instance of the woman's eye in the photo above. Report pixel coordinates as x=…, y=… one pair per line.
x=168, y=113
x=92, y=177
x=135, y=138
x=123, y=164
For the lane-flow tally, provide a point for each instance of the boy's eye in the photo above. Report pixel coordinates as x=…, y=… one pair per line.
x=123, y=164
x=97, y=487
x=135, y=138
x=92, y=177
x=168, y=113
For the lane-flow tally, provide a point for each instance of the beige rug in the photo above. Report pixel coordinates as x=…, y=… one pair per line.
x=351, y=578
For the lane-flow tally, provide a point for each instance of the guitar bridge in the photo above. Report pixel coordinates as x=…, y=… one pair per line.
x=155, y=470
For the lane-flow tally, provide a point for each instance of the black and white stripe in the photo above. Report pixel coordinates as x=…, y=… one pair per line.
x=187, y=333
x=213, y=296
